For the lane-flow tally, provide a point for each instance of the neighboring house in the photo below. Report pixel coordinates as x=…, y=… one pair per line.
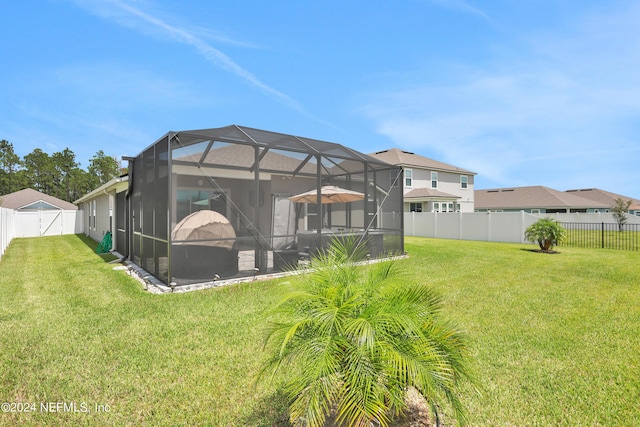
x=607, y=197
x=33, y=200
x=535, y=200
x=430, y=185
x=99, y=209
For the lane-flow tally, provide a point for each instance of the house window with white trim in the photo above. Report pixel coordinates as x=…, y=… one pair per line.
x=408, y=177
x=464, y=181
x=436, y=207
x=434, y=179
x=415, y=207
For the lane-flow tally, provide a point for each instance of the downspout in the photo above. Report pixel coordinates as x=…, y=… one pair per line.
x=128, y=233
x=170, y=198
x=320, y=208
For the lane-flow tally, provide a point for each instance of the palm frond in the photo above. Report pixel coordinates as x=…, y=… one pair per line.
x=355, y=338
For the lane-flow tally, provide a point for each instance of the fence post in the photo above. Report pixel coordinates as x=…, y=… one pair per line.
x=602, y=234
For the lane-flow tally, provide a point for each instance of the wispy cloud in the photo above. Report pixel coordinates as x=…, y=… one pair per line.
x=461, y=6
x=131, y=16
x=561, y=109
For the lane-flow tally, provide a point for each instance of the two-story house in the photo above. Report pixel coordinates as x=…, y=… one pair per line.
x=430, y=185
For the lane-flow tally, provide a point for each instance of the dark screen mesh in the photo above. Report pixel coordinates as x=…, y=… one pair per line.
x=222, y=198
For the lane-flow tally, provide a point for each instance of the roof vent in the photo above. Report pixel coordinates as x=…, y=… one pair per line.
x=507, y=189
x=408, y=152
x=383, y=151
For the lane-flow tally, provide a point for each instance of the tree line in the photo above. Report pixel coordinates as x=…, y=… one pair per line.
x=57, y=175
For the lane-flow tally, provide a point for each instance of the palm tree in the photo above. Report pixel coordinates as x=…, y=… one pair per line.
x=547, y=232
x=353, y=339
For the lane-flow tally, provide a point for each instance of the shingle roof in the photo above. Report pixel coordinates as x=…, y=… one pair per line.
x=398, y=157
x=602, y=196
x=421, y=193
x=531, y=197
x=29, y=195
x=242, y=156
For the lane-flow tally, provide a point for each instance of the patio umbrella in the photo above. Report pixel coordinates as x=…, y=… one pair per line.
x=328, y=194
x=202, y=226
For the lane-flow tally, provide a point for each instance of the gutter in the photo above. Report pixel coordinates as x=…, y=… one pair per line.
x=104, y=188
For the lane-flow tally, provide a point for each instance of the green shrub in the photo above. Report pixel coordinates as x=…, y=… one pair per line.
x=547, y=232
x=353, y=340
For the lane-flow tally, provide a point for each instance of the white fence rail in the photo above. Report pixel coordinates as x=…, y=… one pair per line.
x=492, y=227
x=7, y=228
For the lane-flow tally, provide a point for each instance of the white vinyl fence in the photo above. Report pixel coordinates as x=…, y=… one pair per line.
x=48, y=223
x=491, y=227
x=37, y=224
x=7, y=228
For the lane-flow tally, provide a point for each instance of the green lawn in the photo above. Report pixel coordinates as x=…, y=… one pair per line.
x=555, y=338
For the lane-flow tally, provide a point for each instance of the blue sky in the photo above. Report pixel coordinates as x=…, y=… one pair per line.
x=523, y=93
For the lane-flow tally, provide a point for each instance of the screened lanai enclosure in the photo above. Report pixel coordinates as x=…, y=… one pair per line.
x=221, y=203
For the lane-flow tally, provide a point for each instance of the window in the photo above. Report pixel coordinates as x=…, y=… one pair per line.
x=415, y=207
x=408, y=177
x=436, y=207
x=92, y=214
x=451, y=207
x=464, y=181
x=434, y=179
x=190, y=201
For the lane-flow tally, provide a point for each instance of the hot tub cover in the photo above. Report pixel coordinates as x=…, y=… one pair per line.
x=204, y=228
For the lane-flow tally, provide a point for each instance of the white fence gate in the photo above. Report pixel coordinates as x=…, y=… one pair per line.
x=47, y=223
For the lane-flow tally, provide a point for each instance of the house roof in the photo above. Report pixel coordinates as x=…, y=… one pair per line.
x=28, y=196
x=531, y=197
x=425, y=193
x=399, y=157
x=115, y=184
x=603, y=196
x=242, y=156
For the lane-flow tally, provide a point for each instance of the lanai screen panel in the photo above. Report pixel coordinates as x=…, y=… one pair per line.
x=149, y=204
x=216, y=176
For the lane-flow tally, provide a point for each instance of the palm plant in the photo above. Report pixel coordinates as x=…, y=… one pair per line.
x=547, y=232
x=353, y=339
